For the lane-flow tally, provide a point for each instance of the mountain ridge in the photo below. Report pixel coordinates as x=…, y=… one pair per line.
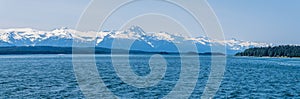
x=141, y=40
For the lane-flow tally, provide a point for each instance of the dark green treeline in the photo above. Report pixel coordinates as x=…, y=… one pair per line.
x=277, y=51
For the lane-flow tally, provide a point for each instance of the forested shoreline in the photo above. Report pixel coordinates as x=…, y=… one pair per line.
x=277, y=51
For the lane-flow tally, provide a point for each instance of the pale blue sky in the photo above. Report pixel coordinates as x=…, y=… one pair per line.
x=273, y=21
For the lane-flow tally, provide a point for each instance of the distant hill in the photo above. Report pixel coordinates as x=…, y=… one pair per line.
x=84, y=50
x=277, y=51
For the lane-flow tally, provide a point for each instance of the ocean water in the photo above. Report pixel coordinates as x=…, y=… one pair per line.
x=53, y=76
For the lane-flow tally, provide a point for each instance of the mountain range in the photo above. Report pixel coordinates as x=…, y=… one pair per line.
x=141, y=40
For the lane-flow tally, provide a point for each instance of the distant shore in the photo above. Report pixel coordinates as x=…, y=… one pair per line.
x=265, y=57
x=282, y=51
x=24, y=50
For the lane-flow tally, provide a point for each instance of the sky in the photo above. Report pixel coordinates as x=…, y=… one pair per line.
x=271, y=21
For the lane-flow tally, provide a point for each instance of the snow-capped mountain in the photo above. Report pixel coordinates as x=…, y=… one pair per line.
x=134, y=38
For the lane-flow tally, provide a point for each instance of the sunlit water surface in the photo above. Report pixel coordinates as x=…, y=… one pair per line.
x=52, y=76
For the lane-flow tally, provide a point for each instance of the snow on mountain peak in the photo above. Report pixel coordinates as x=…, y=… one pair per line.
x=64, y=36
x=162, y=36
x=136, y=29
x=235, y=44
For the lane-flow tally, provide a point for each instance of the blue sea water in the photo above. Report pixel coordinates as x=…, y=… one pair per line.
x=52, y=76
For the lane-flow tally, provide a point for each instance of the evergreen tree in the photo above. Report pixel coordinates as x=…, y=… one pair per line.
x=277, y=51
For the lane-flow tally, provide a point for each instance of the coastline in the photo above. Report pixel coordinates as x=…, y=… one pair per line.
x=269, y=57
